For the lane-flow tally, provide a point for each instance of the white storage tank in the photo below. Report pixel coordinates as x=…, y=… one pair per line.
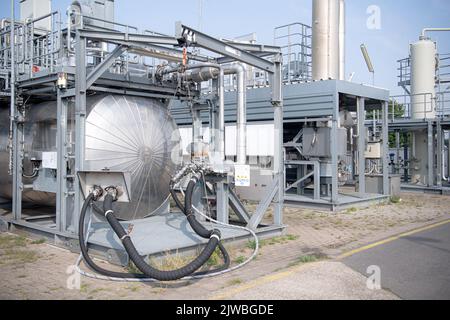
x=423, y=79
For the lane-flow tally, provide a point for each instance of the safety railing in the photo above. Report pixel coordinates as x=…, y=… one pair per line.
x=295, y=40
x=442, y=74
x=42, y=47
x=419, y=106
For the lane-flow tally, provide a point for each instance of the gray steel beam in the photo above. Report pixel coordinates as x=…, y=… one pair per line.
x=191, y=36
x=255, y=48
x=430, y=140
x=107, y=36
x=385, y=147
x=439, y=153
x=257, y=217
x=61, y=135
x=334, y=153
x=104, y=66
x=161, y=52
x=279, y=158
x=361, y=146
x=222, y=202
x=80, y=122
x=238, y=207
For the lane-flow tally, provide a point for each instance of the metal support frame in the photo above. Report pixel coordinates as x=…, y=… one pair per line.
x=385, y=144
x=439, y=149
x=61, y=196
x=334, y=153
x=315, y=174
x=104, y=66
x=73, y=100
x=430, y=131
x=191, y=36
x=361, y=146
x=222, y=202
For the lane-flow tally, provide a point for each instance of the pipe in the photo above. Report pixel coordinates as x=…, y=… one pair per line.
x=241, y=111
x=425, y=30
x=206, y=73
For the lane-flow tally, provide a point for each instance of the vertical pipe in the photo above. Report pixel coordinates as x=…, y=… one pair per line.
x=221, y=115
x=241, y=143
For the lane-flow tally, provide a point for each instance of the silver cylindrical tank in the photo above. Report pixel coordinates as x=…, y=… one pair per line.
x=325, y=39
x=342, y=26
x=123, y=133
x=423, y=79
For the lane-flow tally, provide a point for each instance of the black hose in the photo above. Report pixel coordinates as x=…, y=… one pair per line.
x=123, y=275
x=85, y=253
x=223, y=250
x=140, y=263
x=189, y=212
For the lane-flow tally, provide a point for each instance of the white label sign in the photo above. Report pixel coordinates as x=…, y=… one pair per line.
x=49, y=160
x=242, y=175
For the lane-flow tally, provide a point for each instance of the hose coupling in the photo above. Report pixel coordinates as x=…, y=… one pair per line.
x=112, y=191
x=97, y=192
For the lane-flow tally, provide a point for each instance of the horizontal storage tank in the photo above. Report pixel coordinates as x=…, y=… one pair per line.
x=423, y=79
x=123, y=133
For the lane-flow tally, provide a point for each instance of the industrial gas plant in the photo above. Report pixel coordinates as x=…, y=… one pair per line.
x=123, y=143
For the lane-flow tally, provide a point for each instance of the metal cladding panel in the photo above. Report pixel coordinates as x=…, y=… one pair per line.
x=317, y=99
x=301, y=100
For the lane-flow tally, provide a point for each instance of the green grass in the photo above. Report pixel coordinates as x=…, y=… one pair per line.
x=234, y=282
x=18, y=256
x=131, y=268
x=214, y=260
x=239, y=260
x=272, y=241
x=40, y=241
x=10, y=241
x=396, y=200
x=310, y=258
x=351, y=210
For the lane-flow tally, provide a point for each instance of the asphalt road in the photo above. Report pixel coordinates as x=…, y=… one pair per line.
x=412, y=267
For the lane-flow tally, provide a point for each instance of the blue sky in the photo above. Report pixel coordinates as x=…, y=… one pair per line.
x=401, y=23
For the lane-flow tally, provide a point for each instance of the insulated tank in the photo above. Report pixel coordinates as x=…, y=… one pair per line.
x=123, y=133
x=325, y=39
x=423, y=79
x=423, y=103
